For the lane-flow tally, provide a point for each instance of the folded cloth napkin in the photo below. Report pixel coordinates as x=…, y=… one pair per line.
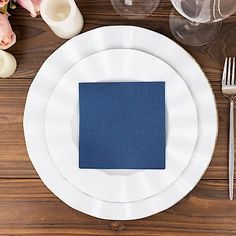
x=122, y=125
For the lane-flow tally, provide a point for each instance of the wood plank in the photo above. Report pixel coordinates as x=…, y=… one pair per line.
x=27, y=207
x=14, y=161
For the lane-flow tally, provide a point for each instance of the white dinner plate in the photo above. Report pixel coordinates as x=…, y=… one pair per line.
x=62, y=129
x=87, y=44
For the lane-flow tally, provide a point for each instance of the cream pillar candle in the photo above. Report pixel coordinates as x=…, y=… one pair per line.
x=7, y=64
x=63, y=17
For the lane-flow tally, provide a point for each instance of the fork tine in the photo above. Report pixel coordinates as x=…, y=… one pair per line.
x=229, y=71
x=224, y=76
x=233, y=71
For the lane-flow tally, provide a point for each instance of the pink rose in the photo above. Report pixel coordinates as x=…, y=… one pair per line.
x=3, y=3
x=33, y=6
x=7, y=36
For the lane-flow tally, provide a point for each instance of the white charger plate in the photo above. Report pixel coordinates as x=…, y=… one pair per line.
x=87, y=44
x=62, y=129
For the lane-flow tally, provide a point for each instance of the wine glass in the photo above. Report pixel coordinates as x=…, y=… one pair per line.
x=135, y=9
x=200, y=20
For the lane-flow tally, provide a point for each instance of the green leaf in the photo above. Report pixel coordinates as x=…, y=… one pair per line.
x=3, y=10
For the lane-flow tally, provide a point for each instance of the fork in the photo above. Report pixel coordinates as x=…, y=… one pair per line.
x=229, y=91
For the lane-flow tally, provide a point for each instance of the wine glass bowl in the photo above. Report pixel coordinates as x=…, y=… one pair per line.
x=135, y=9
x=200, y=20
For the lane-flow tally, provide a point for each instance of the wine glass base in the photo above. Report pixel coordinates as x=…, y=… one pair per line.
x=135, y=9
x=191, y=33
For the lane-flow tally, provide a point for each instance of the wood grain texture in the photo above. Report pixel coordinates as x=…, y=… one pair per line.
x=26, y=205
x=28, y=208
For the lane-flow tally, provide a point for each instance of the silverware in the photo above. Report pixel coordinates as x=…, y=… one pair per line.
x=229, y=91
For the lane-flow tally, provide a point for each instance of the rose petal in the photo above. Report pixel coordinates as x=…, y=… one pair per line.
x=8, y=41
x=3, y=3
x=32, y=6
x=7, y=36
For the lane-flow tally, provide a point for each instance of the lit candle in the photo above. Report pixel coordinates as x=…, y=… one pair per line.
x=63, y=17
x=7, y=64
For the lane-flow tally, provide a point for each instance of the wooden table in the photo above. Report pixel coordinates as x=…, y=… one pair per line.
x=27, y=207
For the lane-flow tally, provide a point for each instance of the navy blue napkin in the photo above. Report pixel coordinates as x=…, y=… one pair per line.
x=122, y=125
